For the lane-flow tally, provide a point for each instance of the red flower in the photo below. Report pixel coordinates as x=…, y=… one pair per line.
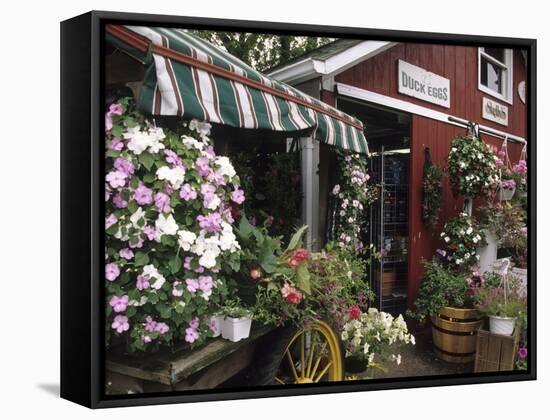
x=291, y=294
x=354, y=312
x=294, y=297
x=297, y=257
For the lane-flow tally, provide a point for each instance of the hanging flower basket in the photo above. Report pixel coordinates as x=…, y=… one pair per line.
x=506, y=191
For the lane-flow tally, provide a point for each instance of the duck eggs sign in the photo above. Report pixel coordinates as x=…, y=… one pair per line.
x=422, y=84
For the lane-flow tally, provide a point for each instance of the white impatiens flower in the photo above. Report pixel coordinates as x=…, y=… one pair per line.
x=469, y=230
x=136, y=217
x=175, y=176
x=140, y=141
x=186, y=239
x=151, y=273
x=192, y=143
x=201, y=127
x=447, y=239
x=366, y=348
x=225, y=166
x=166, y=225
x=228, y=240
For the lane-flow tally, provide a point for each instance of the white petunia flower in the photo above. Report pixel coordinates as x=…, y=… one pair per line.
x=186, y=239
x=226, y=168
x=175, y=176
x=152, y=273
x=166, y=225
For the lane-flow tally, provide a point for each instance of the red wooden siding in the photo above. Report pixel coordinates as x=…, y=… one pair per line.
x=424, y=241
x=458, y=64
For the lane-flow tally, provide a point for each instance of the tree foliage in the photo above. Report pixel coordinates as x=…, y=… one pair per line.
x=262, y=51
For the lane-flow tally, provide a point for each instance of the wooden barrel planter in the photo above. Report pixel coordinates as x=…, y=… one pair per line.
x=454, y=333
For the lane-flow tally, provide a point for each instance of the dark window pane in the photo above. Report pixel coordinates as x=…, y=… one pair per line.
x=497, y=53
x=491, y=75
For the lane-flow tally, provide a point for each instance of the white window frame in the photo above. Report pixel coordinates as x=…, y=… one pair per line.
x=508, y=76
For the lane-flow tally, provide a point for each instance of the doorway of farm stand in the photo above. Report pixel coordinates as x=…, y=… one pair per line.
x=386, y=221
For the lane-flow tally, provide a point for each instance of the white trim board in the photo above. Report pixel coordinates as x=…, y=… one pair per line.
x=309, y=68
x=401, y=105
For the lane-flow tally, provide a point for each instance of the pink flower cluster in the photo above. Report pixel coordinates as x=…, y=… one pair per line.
x=520, y=167
x=192, y=332
x=119, y=303
x=114, y=109
x=203, y=283
x=211, y=223
x=291, y=295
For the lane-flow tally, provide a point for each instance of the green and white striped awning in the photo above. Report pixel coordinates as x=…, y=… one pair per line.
x=189, y=77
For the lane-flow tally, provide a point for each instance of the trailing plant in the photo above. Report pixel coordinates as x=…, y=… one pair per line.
x=431, y=188
x=441, y=286
x=168, y=228
x=462, y=236
x=350, y=196
x=471, y=168
x=508, y=223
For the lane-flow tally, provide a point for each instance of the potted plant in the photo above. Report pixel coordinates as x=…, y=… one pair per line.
x=236, y=322
x=446, y=298
x=507, y=185
x=215, y=324
x=507, y=223
x=370, y=336
x=503, y=305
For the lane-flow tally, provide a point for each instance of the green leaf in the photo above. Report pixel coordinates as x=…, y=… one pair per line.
x=117, y=131
x=147, y=160
x=132, y=206
x=245, y=228
x=268, y=260
x=141, y=258
x=174, y=264
x=302, y=278
x=149, y=177
x=296, y=238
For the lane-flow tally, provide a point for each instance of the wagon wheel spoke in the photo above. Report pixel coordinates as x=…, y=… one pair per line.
x=325, y=369
x=319, y=359
x=279, y=381
x=291, y=363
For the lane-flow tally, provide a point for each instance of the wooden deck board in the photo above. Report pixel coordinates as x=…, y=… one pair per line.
x=169, y=368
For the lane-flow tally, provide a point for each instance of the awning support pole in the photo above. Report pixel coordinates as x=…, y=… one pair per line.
x=310, y=190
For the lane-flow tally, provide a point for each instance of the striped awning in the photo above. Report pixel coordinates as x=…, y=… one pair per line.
x=189, y=77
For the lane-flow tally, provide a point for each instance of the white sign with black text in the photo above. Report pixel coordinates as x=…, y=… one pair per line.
x=493, y=111
x=422, y=84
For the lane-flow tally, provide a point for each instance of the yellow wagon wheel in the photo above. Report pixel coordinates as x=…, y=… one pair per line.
x=312, y=355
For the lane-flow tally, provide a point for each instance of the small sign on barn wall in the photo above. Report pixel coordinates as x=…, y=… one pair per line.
x=493, y=111
x=422, y=84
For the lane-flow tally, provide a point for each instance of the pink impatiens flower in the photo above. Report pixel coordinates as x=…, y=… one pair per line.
x=116, y=179
x=187, y=192
x=175, y=290
x=111, y=271
x=194, y=323
x=191, y=335
x=142, y=282
x=120, y=324
x=150, y=232
x=119, y=202
x=110, y=221
x=210, y=223
x=162, y=202
x=202, y=165
x=205, y=283
x=143, y=195
x=124, y=166
x=126, y=253
x=116, y=144
x=172, y=157
x=162, y=328
x=238, y=196
x=119, y=303
x=192, y=285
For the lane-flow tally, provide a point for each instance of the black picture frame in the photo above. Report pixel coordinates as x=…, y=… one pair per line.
x=82, y=217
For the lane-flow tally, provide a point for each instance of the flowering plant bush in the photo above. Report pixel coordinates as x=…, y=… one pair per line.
x=472, y=169
x=431, y=186
x=168, y=202
x=462, y=237
x=372, y=334
x=442, y=286
x=350, y=197
x=508, y=224
x=500, y=301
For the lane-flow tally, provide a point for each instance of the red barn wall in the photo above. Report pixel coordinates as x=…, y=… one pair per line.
x=459, y=65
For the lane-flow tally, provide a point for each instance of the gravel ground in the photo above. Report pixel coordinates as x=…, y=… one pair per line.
x=420, y=360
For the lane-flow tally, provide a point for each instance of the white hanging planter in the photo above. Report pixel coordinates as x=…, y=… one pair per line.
x=236, y=329
x=488, y=253
x=506, y=194
x=502, y=325
x=216, y=325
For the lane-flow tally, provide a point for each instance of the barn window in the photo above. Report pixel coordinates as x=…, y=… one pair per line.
x=495, y=72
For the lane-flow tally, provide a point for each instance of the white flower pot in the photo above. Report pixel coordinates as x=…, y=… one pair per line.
x=216, y=323
x=236, y=329
x=488, y=254
x=502, y=325
x=506, y=194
